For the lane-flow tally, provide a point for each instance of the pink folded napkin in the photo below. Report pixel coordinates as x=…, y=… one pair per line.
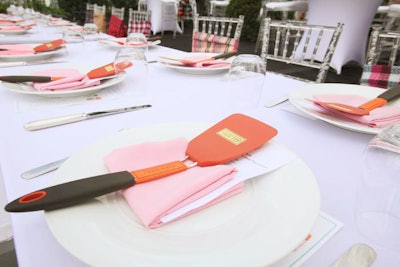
x=16, y=49
x=151, y=201
x=379, y=117
x=12, y=28
x=73, y=80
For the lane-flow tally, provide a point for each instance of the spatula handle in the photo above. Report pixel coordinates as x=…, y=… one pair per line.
x=159, y=171
x=381, y=99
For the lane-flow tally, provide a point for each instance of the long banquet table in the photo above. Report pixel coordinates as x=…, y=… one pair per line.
x=333, y=154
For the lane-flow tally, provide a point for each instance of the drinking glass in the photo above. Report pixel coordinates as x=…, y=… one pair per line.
x=245, y=80
x=90, y=31
x=134, y=53
x=73, y=36
x=378, y=194
x=137, y=40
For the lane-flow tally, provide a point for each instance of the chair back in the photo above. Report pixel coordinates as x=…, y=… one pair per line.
x=169, y=15
x=118, y=12
x=99, y=17
x=139, y=21
x=301, y=44
x=116, y=25
x=99, y=9
x=89, y=13
x=216, y=34
x=382, y=67
x=142, y=5
x=218, y=8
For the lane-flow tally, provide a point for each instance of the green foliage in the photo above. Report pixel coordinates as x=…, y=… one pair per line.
x=250, y=9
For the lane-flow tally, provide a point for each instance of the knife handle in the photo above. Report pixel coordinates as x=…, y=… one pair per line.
x=71, y=193
x=47, y=123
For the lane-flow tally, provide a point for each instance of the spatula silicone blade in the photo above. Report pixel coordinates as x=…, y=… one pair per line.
x=108, y=70
x=230, y=138
x=49, y=46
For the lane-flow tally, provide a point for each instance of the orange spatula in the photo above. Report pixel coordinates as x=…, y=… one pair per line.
x=49, y=46
x=230, y=138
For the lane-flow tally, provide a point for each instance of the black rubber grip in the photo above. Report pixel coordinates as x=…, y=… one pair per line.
x=71, y=193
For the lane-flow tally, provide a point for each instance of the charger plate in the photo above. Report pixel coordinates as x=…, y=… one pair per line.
x=273, y=215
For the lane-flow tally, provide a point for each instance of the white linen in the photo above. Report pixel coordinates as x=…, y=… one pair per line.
x=332, y=153
x=357, y=16
x=156, y=20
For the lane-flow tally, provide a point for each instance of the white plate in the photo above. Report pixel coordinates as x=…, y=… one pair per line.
x=15, y=32
x=190, y=70
x=32, y=57
x=257, y=227
x=110, y=43
x=297, y=99
x=26, y=88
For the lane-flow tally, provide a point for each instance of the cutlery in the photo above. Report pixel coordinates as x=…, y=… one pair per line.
x=108, y=69
x=103, y=72
x=53, y=45
x=194, y=62
x=56, y=121
x=24, y=63
x=359, y=255
x=153, y=39
x=49, y=46
x=365, y=108
x=276, y=101
x=27, y=78
x=35, y=172
x=227, y=140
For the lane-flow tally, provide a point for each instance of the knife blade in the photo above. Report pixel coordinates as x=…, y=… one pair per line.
x=56, y=121
x=35, y=172
x=28, y=78
x=24, y=63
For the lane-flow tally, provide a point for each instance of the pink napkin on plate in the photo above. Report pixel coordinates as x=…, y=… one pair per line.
x=16, y=49
x=73, y=80
x=12, y=28
x=378, y=118
x=153, y=200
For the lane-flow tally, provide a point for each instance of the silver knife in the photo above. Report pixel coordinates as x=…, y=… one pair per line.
x=49, y=167
x=24, y=63
x=276, y=101
x=51, y=122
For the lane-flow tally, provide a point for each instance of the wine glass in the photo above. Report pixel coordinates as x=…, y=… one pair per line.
x=378, y=193
x=245, y=80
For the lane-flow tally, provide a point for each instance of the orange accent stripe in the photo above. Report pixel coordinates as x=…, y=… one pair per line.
x=373, y=104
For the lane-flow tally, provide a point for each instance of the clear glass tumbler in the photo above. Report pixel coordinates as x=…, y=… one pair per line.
x=378, y=194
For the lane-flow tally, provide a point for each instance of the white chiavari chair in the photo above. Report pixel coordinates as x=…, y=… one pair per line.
x=299, y=44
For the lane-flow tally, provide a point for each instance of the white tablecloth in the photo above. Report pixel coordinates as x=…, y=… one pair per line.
x=333, y=154
x=357, y=16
